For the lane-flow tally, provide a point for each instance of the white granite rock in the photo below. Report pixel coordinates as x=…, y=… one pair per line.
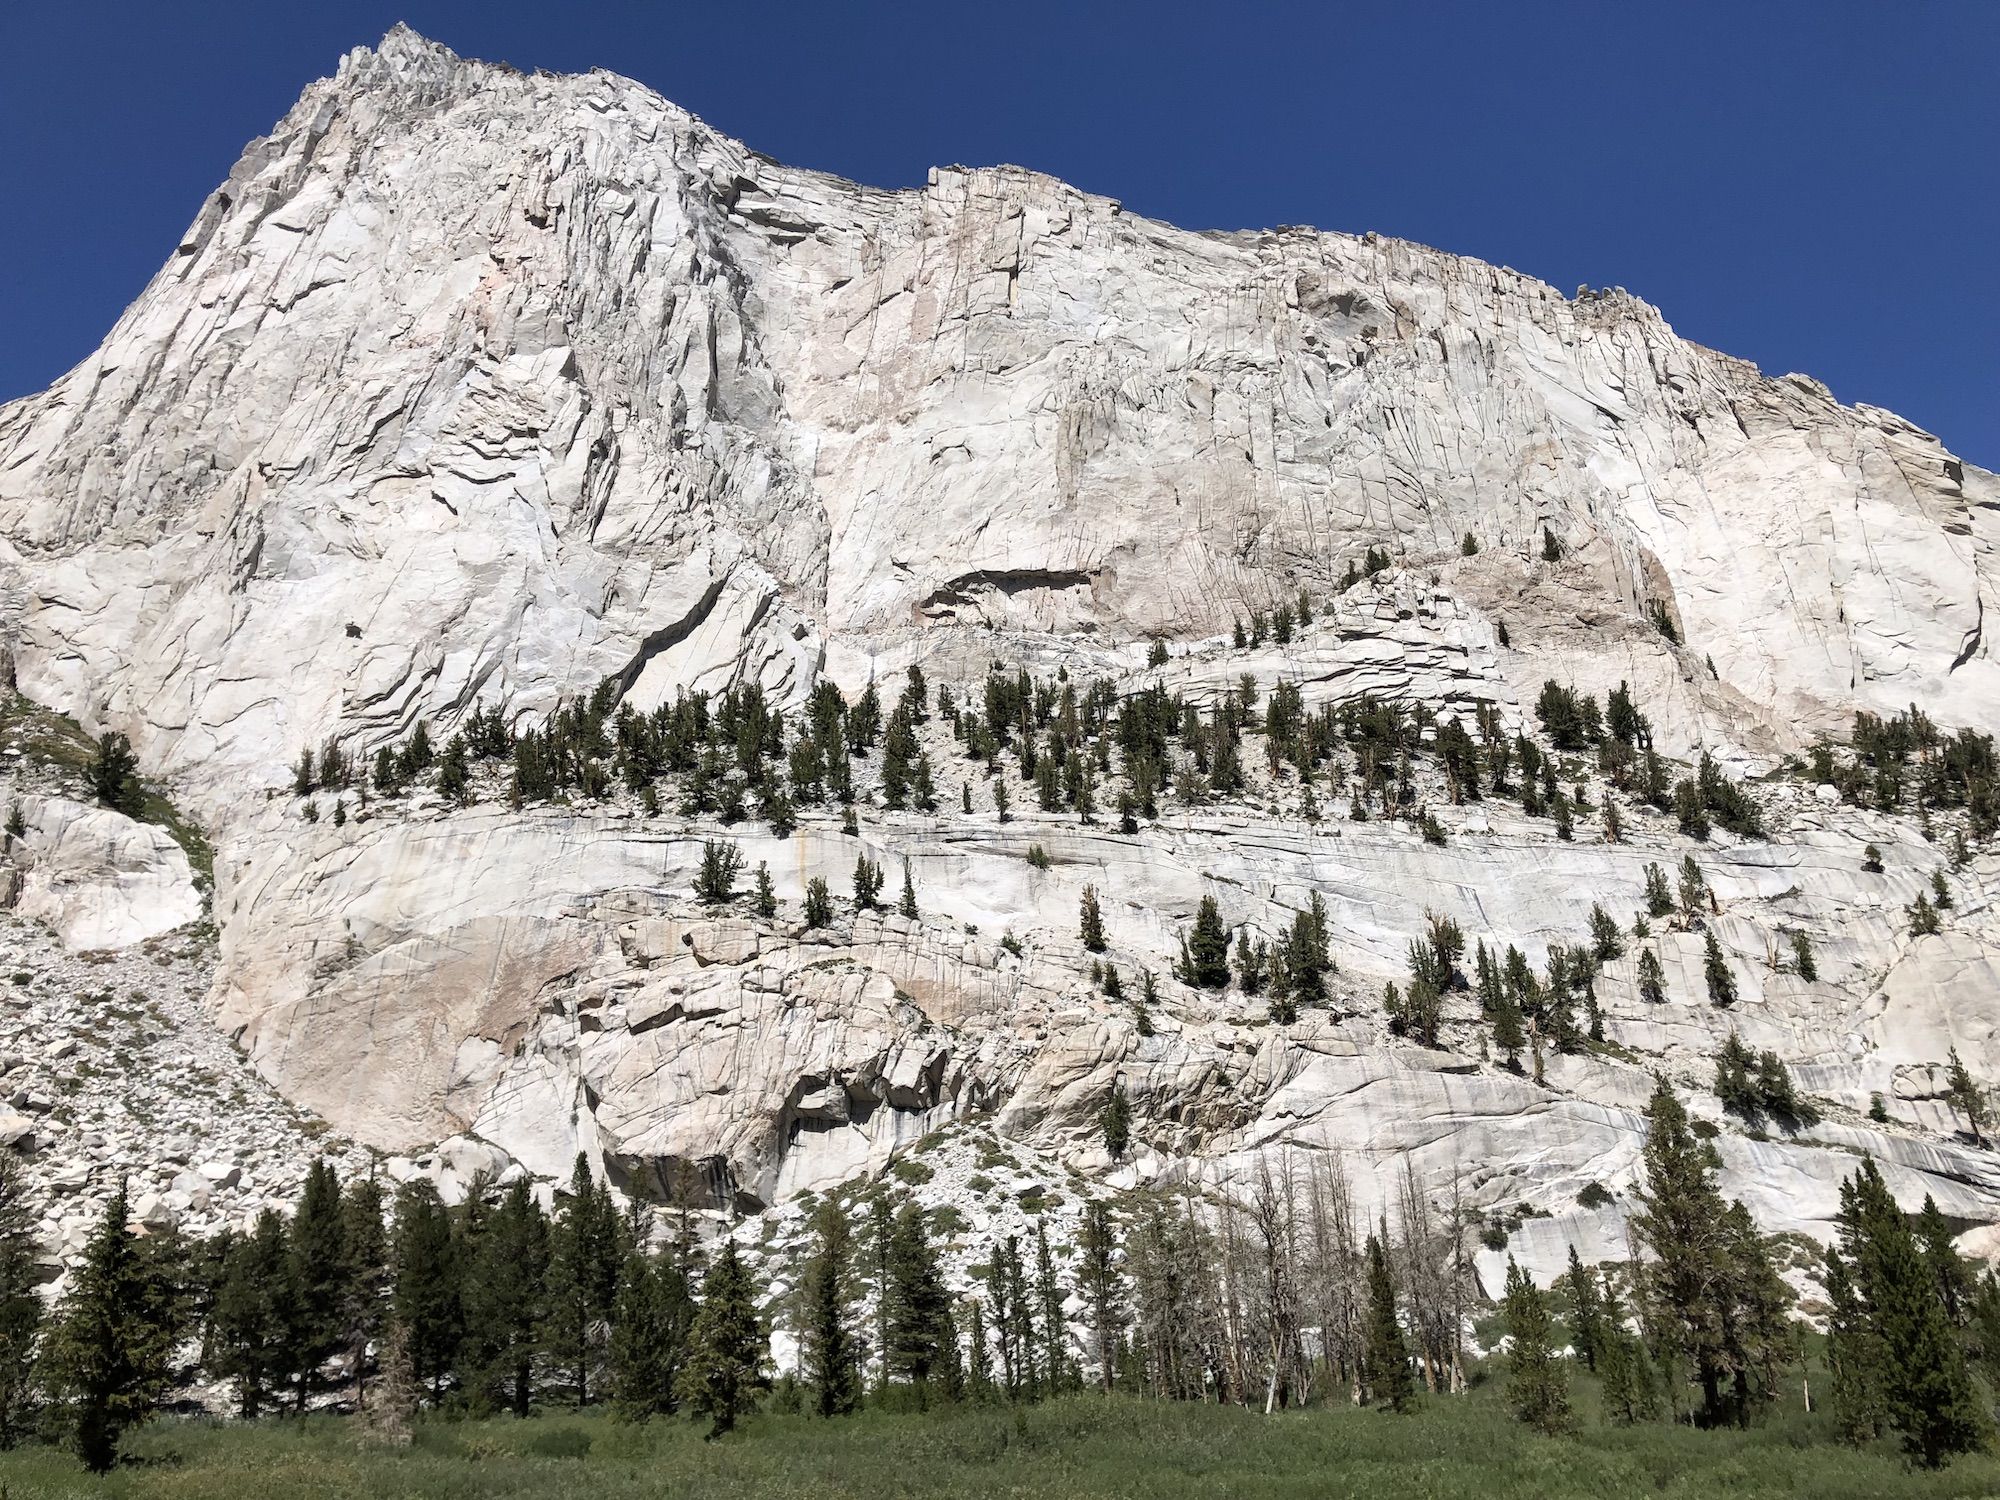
x=471, y=386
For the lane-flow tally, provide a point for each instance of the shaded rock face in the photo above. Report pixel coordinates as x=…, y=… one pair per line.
x=474, y=387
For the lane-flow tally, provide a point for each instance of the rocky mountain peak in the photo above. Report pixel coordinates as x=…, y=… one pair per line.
x=530, y=413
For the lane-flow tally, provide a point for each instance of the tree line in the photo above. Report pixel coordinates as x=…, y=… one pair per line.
x=1278, y=1293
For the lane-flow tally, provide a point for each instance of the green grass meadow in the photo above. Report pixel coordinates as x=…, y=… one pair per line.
x=1079, y=1447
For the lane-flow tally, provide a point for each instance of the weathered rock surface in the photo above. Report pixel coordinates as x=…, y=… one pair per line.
x=473, y=384
x=477, y=387
x=96, y=877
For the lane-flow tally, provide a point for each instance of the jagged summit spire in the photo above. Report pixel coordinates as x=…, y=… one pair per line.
x=404, y=43
x=403, y=56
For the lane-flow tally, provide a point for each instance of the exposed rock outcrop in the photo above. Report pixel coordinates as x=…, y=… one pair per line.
x=474, y=387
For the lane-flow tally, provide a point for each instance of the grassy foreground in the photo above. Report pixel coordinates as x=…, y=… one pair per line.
x=1073, y=1449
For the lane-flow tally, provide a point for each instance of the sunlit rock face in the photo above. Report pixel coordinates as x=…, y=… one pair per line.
x=475, y=387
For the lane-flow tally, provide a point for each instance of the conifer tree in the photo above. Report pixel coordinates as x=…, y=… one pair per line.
x=364, y=1243
x=919, y=1306
x=1966, y=1095
x=426, y=1290
x=1715, y=969
x=726, y=1345
x=1204, y=962
x=318, y=1272
x=907, y=906
x=505, y=1296
x=650, y=1326
x=1853, y=1354
x=251, y=1335
x=111, y=1350
x=831, y=1352
x=20, y=1302
x=1057, y=1368
x=715, y=882
x=585, y=1258
x=979, y=1362
x=1387, y=1360
x=1116, y=1121
x=819, y=904
x=1927, y=1393
x=1652, y=981
x=1948, y=1269
x=1622, y=1365
x=1099, y=1284
x=1508, y=1034
x=765, y=901
x=114, y=775
x=1537, y=1384
x=1802, y=957
x=1092, y=921
x=1681, y=1221
x=1586, y=1315
x=867, y=883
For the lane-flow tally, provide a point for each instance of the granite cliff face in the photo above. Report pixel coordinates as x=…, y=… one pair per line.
x=473, y=388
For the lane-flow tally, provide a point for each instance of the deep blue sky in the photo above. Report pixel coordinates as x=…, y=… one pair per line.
x=1812, y=184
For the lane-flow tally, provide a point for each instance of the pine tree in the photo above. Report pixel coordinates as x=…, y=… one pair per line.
x=1652, y=981
x=20, y=1301
x=1966, y=1095
x=1948, y=1269
x=1606, y=945
x=111, y=1351
x=1715, y=969
x=1802, y=957
x=1927, y=1392
x=1681, y=1220
x=1659, y=896
x=1058, y=1370
x=867, y=883
x=1387, y=1357
x=1204, y=961
x=1586, y=1316
x=1092, y=922
x=650, y=1326
x=715, y=882
x=114, y=775
x=1116, y=1121
x=318, y=1274
x=819, y=904
x=585, y=1258
x=1537, y=1384
x=504, y=1298
x=426, y=1291
x=918, y=1305
x=765, y=901
x=250, y=1335
x=1099, y=1284
x=1853, y=1353
x=726, y=1345
x=364, y=1244
x=1508, y=1034
x=978, y=1363
x=907, y=906
x=831, y=1352
x=1622, y=1365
